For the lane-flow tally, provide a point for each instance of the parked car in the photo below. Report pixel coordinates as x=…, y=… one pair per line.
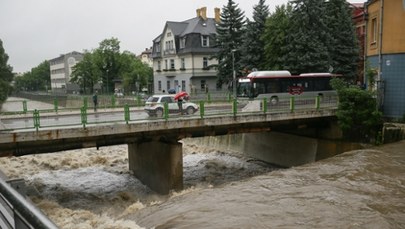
x=154, y=106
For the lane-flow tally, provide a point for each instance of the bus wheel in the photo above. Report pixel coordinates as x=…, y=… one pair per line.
x=274, y=100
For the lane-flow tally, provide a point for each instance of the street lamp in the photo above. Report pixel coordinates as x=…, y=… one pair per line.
x=234, y=73
x=107, y=83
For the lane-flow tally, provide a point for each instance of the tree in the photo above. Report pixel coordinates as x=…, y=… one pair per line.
x=86, y=73
x=275, y=37
x=6, y=75
x=229, y=38
x=136, y=74
x=343, y=44
x=107, y=58
x=357, y=112
x=38, y=79
x=252, y=49
x=305, y=50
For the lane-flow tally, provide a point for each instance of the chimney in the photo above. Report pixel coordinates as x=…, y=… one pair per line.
x=217, y=15
x=204, y=13
x=198, y=12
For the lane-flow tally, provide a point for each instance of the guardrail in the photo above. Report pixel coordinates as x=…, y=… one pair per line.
x=229, y=107
x=18, y=213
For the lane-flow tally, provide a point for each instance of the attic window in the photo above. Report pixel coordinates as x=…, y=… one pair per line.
x=205, y=41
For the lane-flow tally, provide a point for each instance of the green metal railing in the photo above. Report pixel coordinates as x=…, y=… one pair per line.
x=232, y=108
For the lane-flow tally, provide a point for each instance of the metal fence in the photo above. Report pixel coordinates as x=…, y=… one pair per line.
x=131, y=111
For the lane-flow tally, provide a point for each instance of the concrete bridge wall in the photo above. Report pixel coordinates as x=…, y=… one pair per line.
x=278, y=148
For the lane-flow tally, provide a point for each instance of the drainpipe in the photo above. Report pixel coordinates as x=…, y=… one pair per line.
x=365, y=44
x=380, y=39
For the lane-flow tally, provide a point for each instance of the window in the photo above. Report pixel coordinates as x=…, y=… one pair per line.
x=168, y=85
x=205, y=62
x=166, y=65
x=172, y=64
x=159, y=85
x=183, y=85
x=183, y=43
x=373, y=30
x=169, y=34
x=205, y=41
x=183, y=63
x=203, y=84
x=159, y=65
x=169, y=45
x=176, y=84
x=157, y=47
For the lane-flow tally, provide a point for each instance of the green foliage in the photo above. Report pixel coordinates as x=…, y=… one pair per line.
x=38, y=79
x=338, y=84
x=306, y=49
x=86, y=73
x=106, y=64
x=229, y=39
x=342, y=44
x=252, y=48
x=275, y=37
x=312, y=36
x=371, y=75
x=6, y=75
x=357, y=114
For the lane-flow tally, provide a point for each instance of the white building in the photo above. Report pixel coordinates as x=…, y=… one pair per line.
x=146, y=57
x=182, y=55
x=61, y=70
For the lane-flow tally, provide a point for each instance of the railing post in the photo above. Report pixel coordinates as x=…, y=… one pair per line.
x=202, y=109
x=85, y=102
x=55, y=105
x=235, y=107
x=25, y=106
x=83, y=115
x=317, y=102
x=113, y=101
x=292, y=103
x=166, y=111
x=209, y=97
x=264, y=105
x=138, y=100
x=126, y=113
x=37, y=123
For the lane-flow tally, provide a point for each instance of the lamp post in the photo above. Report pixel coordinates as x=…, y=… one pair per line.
x=234, y=73
x=107, y=83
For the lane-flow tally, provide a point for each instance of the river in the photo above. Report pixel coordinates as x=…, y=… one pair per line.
x=90, y=188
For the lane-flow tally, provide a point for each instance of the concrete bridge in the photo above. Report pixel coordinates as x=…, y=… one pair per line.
x=154, y=150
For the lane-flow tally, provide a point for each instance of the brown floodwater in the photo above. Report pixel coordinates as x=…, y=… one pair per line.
x=357, y=189
x=90, y=188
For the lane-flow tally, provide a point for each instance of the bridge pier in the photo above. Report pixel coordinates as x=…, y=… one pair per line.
x=159, y=165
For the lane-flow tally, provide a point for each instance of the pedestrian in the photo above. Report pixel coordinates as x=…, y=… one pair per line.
x=180, y=104
x=95, y=101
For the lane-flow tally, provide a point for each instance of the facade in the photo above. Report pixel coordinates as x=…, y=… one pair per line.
x=182, y=55
x=61, y=70
x=385, y=51
x=146, y=57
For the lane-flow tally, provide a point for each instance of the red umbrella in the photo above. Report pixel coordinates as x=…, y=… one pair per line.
x=180, y=94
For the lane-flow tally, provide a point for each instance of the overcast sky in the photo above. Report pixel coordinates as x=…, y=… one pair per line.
x=34, y=31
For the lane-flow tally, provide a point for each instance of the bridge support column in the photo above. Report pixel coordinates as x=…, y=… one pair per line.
x=280, y=149
x=157, y=164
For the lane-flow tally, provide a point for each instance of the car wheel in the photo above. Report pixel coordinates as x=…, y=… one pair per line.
x=159, y=112
x=190, y=110
x=274, y=100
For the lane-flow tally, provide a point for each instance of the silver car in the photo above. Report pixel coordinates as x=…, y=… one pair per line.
x=154, y=106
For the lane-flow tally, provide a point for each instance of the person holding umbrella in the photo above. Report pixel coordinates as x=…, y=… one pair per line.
x=180, y=97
